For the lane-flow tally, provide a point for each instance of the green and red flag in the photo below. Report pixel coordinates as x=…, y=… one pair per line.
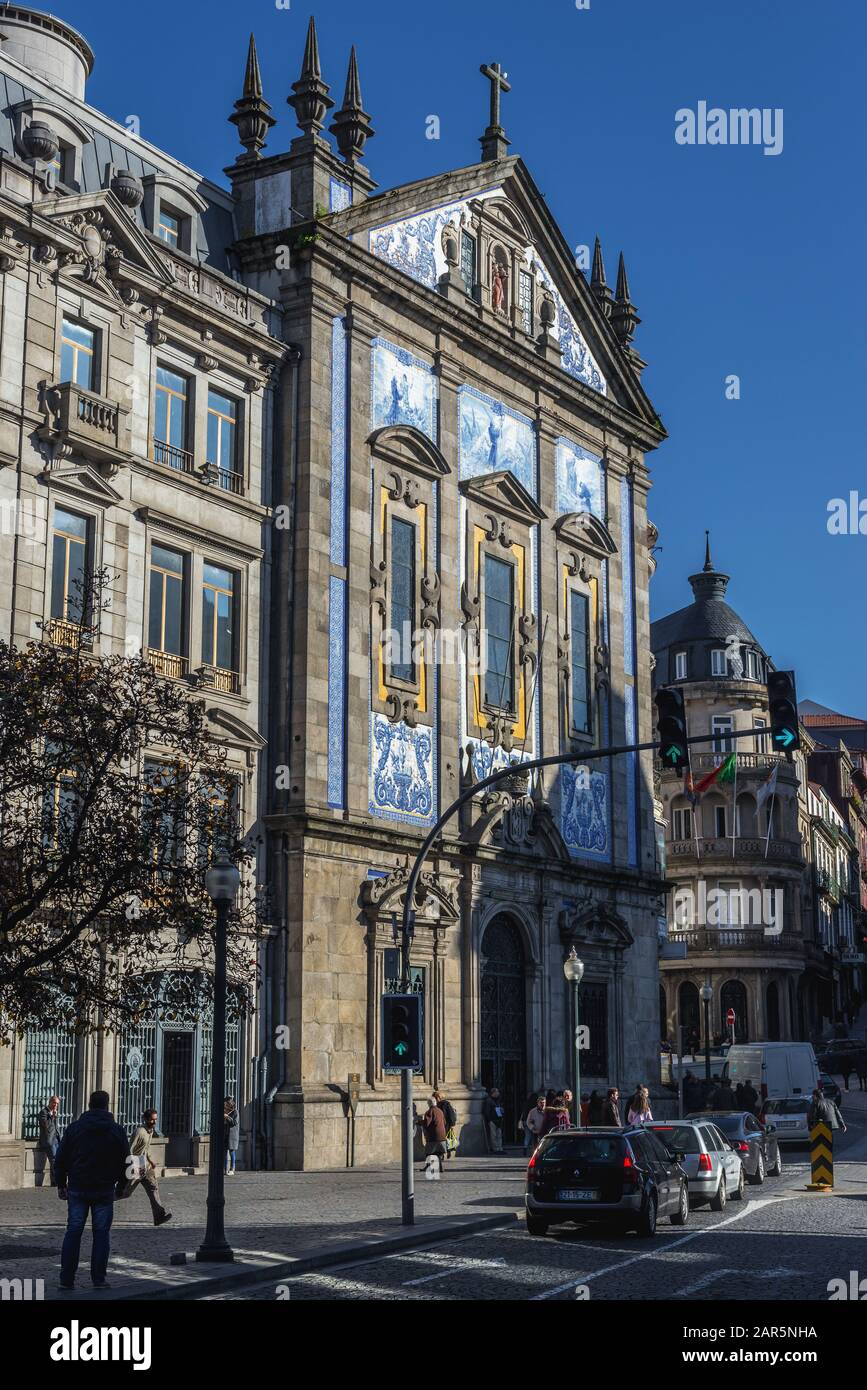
x=725, y=772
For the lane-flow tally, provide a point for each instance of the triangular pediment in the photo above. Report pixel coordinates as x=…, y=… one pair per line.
x=588, y=920
x=408, y=227
x=407, y=446
x=504, y=492
x=100, y=218
x=587, y=532
x=79, y=476
x=230, y=725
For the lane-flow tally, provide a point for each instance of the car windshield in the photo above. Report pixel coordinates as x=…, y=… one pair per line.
x=590, y=1148
x=683, y=1138
x=792, y=1105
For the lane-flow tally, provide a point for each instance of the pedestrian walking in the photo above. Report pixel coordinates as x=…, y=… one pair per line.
x=568, y=1098
x=557, y=1115
x=750, y=1097
x=49, y=1134
x=823, y=1111
x=594, y=1109
x=611, y=1108
x=861, y=1070
x=846, y=1069
x=232, y=1133
x=585, y=1111
x=639, y=1112
x=434, y=1126
x=535, y=1122
x=91, y=1167
x=146, y=1169
x=450, y=1115
x=492, y=1118
x=724, y=1096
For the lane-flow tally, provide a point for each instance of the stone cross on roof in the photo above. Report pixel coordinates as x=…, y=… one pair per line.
x=494, y=143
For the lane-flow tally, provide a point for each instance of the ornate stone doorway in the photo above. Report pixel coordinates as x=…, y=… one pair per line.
x=504, y=1019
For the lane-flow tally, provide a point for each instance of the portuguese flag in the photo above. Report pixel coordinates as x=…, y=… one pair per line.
x=724, y=773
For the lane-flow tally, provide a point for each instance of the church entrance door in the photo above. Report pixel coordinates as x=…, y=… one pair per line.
x=504, y=1020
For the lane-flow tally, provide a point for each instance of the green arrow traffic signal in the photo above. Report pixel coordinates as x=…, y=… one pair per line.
x=400, y=1048
x=674, y=753
x=785, y=737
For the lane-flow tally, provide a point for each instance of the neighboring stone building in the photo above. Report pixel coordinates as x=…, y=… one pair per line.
x=774, y=970
x=457, y=449
x=135, y=413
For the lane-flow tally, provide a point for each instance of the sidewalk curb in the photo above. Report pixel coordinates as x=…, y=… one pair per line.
x=303, y=1264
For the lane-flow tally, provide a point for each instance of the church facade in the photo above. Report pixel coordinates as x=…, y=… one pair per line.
x=432, y=531
x=463, y=462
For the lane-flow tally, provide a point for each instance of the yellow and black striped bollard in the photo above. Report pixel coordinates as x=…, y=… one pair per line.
x=821, y=1159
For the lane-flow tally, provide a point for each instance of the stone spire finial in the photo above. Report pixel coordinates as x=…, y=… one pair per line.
x=624, y=319
x=310, y=99
x=494, y=143
x=252, y=113
x=708, y=562
x=598, y=284
x=351, y=124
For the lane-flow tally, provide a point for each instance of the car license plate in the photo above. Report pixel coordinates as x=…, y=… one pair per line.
x=787, y=1124
x=578, y=1194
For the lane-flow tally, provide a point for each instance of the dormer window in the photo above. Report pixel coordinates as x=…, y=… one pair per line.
x=72, y=137
x=63, y=164
x=719, y=662
x=752, y=666
x=169, y=227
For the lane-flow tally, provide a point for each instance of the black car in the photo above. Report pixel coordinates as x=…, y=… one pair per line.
x=623, y=1176
x=758, y=1148
x=843, y=1056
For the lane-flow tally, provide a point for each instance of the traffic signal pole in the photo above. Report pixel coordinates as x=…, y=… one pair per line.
x=407, y=925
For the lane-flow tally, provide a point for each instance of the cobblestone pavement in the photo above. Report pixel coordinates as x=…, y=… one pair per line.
x=782, y=1243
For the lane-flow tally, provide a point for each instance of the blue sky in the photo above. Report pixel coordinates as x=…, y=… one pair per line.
x=740, y=263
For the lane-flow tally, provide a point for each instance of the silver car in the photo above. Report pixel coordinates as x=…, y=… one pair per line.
x=713, y=1167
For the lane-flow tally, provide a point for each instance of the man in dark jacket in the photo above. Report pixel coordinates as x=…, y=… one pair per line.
x=751, y=1096
x=823, y=1111
x=92, y=1167
x=492, y=1118
x=49, y=1132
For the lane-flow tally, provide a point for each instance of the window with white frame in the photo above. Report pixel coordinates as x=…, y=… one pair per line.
x=682, y=823
x=720, y=727
x=729, y=902
x=761, y=738
x=720, y=822
x=719, y=662
x=680, y=666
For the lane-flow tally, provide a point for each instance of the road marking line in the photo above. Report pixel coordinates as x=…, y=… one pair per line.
x=466, y=1263
x=715, y=1274
x=649, y=1254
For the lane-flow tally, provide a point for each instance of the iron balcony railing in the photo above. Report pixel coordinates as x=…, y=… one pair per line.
x=715, y=939
x=172, y=457
x=217, y=678
x=62, y=633
x=745, y=847
x=167, y=663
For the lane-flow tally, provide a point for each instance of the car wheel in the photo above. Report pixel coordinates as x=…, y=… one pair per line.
x=778, y=1165
x=536, y=1226
x=738, y=1194
x=681, y=1216
x=718, y=1202
x=759, y=1175
x=647, y=1221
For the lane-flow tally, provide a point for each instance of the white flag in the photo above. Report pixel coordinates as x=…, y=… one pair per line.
x=768, y=787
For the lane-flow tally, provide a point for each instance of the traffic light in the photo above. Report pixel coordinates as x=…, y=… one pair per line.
x=671, y=723
x=401, y=1030
x=783, y=704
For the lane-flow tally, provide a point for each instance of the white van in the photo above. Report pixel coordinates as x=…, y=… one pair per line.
x=776, y=1069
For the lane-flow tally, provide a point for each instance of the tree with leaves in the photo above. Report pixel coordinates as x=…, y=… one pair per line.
x=114, y=796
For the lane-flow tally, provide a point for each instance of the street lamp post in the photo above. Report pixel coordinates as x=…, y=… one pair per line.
x=573, y=969
x=706, y=997
x=222, y=881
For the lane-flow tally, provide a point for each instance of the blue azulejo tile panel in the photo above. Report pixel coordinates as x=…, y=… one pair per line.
x=402, y=771
x=580, y=476
x=338, y=442
x=486, y=760
x=340, y=196
x=494, y=437
x=403, y=389
x=584, y=813
x=336, y=692
x=577, y=359
x=414, y=245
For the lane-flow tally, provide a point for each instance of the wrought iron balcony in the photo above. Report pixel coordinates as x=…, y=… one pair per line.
x=172, y=457
x=167, y=663
x=827, y=884
x=80, y=421
x=217, y=678
x=62, y=633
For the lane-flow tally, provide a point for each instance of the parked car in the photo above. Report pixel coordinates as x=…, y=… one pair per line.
x=624, y=1176
x=713, y=1169
x=830, y=1088
x=775, y=1068
x=756, y=1147
x=788, y=1115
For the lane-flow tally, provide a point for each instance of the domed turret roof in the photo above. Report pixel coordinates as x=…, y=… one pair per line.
x=707, y=620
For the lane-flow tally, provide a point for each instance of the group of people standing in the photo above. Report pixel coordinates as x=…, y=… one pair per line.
x=551, y=1110
x=718, y=1094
